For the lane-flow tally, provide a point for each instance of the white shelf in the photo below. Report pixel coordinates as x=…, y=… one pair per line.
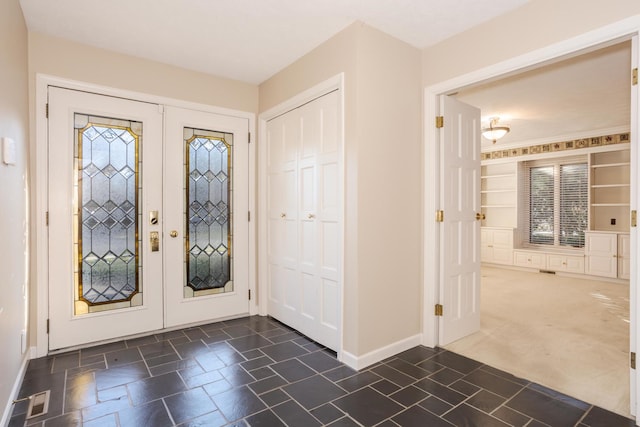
x=610, y=185
x=505, y=175
x=509, y=190
x=611, y=165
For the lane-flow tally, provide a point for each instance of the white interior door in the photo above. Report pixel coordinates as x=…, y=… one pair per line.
x=105, y=279
x=206, y=223
x=145, y=232
x=304, y=230
x=460, y=232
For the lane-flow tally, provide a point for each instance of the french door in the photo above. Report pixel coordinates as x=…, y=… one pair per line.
x=142, y=230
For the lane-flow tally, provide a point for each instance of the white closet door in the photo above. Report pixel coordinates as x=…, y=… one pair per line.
x=304, y=203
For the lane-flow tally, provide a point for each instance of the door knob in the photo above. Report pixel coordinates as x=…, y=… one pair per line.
x=480, y=216
x=283, y=215
x=174, y=233
x=311, y=216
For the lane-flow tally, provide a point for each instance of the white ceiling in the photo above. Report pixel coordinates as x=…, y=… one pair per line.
x=251, y=40
x=586, y=95
x=247, y=40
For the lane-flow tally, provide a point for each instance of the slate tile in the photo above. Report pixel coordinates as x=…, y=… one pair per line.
x=545, y=408
x=393, y=375
x=511, y=417
x=265, y=419
x=283, y=351
x=327, y=413
x=237, y=403
x=435, y=405
x=485, y=401
x=418, y=417
x=123, y=357
x=456, y=362
x=408, y=368
x=409, y=396
x=417, y=354
x=320, y=361
x=153, y=388
x=465, y=415
x=190, y=404
x=150, y=414
x=121, y=375
x=313, y=391
x=367, y=406
x=359, y=381
x=493, y=383
x=274, y=397
x=294, y=415
x=598, y=417
x=212, y=419
x=448, y=395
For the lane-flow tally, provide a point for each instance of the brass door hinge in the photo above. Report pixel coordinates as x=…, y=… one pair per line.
x=249, y=294
x=633, y=360
x=249, y=216
x=439, y=309
x=440, y=216
x=249, y=137
x=47, y=325
x=46, y=110
x=46, y=218
x=634, y=218
x=634, y=77
x=439, y=122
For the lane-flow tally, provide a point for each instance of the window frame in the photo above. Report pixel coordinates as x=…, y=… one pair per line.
x=525, y=200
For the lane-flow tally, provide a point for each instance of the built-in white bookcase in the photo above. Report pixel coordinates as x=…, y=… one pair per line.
x=610, y=191
x=499, y=194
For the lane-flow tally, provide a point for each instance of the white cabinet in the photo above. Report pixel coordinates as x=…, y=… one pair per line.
x=624, y=256
x=496, y=245
x=531, y=259
x=601, y=250
x=565, y=263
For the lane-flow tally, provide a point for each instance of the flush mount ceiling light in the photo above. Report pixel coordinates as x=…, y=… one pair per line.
x=494, y=132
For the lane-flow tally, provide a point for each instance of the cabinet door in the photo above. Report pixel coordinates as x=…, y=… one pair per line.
x=624, y=256
x=602, y=254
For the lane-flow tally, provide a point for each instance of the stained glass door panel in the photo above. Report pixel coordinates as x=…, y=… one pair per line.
x=107, y=218
x=208, y=196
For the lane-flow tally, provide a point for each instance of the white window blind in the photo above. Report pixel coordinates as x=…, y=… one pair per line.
x=555, y=201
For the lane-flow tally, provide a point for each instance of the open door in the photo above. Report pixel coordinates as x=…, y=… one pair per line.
x=634, y=301
x=460, y=220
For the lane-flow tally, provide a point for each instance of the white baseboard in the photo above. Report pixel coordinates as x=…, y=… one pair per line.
x=6, y=414
x=368, y=359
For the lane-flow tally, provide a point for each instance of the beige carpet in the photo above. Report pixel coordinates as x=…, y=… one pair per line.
x=568, y=334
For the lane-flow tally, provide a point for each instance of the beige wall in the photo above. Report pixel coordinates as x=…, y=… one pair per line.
x=75, y=61
x=535, y=25
x=382, y=178
x=14, y=194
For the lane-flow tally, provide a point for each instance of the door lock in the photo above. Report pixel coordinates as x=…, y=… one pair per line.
x=153, y=217
x=154, y=240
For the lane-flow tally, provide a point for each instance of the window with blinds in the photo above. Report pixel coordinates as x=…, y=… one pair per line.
x=556, y=201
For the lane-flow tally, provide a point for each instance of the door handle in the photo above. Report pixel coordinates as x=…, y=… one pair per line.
x=174, y=233
x=154, y=240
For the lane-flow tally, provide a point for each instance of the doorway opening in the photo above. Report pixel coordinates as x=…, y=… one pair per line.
x=595, y=131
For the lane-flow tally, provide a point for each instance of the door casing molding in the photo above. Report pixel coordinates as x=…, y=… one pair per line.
x=40, y=179
x=329, y=85
x=622, y=30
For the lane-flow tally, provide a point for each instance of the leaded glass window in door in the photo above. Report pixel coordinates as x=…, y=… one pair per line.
x=107, y=219
x=208, y=212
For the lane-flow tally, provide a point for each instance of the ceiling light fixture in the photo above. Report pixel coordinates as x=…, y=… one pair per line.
x=495, y=132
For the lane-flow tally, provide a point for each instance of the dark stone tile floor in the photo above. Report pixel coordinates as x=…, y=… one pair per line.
x=256, y=371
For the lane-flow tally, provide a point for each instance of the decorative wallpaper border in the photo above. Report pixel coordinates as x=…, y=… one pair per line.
x=597, y=141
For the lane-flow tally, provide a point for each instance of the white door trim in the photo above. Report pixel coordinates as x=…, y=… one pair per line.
x=624, y=29
x=40, y=182
x=331, y=84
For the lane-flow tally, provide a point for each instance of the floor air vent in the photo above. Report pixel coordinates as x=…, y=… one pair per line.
x=38, y=404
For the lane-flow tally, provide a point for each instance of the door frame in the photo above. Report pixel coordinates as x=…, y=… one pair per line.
x=39, y=178
x=323, y=88
x=622, y=30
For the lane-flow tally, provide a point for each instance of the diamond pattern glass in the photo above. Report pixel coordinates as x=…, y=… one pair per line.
x=208, y=190
x=107, y=218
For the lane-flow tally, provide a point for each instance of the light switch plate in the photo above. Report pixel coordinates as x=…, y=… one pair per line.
x=8, y=151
